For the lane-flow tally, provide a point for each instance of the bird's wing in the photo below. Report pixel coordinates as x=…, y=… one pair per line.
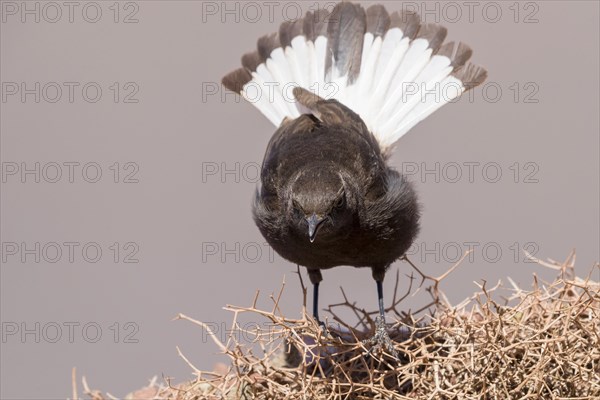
x=391, y=70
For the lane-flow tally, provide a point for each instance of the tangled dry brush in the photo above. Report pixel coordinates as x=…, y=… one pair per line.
x=542, y=343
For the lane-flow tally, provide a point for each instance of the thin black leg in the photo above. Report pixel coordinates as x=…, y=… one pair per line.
x=315, y=278
x=380, y=298
x=382, y=338
x=316, y=301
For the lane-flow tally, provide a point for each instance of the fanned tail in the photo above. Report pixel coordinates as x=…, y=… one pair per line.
x=391, y=70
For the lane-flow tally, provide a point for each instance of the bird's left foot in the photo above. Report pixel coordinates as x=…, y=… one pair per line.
x=321, y=324
x=381, y=340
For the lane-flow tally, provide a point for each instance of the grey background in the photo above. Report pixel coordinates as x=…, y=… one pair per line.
x=174, y=54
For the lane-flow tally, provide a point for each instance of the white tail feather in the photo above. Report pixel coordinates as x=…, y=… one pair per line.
x=450, y=88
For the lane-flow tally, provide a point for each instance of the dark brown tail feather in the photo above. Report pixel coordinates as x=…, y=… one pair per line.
x=345, y=37
x=289, y=30
x=462, y=55
x=434, y=34
x=470, y=75
x=315, y=24
x=408, y=22
x=251, y=61
x=378, y=20
x=267, y=44
x=236, y=80
x=458, y=54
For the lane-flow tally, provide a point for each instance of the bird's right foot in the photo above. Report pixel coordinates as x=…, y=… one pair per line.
x=381, y=340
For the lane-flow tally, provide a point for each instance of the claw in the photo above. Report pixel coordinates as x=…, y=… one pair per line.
x=381, y=339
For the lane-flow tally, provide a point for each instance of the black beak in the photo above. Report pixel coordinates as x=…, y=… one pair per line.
x=314, y=221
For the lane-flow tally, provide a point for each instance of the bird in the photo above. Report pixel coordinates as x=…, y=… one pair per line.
x=342, y=87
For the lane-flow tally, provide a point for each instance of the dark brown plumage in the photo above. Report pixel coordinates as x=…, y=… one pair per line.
x=328, y=196
x=329, y=164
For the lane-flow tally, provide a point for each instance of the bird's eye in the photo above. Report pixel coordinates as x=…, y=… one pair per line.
x=339, y=203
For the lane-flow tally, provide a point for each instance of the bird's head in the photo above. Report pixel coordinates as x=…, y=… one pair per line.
x=320, y=204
